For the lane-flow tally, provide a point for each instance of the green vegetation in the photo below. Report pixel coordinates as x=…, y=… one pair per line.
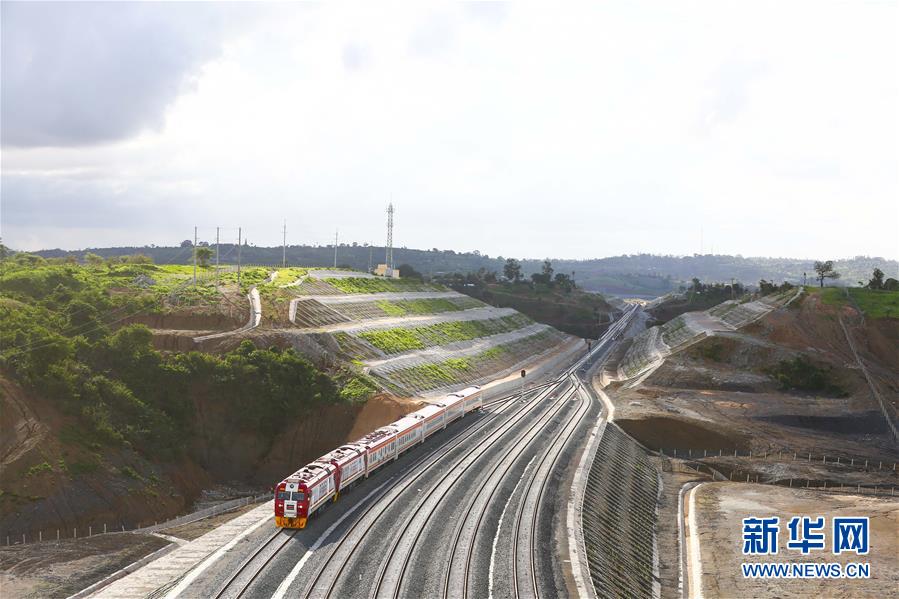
x=426, y=306
x=398, y=340
x=710, y=350
x=81, y=468
x=393, y=341
x=357, y=388
x=39, y=468
x=63, y=340
x=825, y=270
x=831, y=296
x=129, y=472
x=379, y=285
x=801, y=374
x=391, y=308
x=559, y=302
x=453, y=371
x=203, y=254
x=876, y=303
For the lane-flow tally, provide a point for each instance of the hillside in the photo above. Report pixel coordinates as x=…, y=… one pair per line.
x=638, y=275
x=577, y=312
x=100, y=427
x=127, y=389
x=777, y=375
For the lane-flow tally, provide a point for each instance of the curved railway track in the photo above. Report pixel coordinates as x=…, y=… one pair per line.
x=464, y=583
x=416, y=473
x=392, y=579
x=242, y=588
x=524, y=438
x=541, y=475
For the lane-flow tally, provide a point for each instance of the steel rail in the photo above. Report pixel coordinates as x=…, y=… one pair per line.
x=555, y=449
x=249, y=560
x=526, y=436
x=518, y=449
x=417, y=472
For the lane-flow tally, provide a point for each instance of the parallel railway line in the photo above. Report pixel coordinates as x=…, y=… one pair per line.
x=547, y=465
x=527, y=427
x=517, y=452
x=522, y=439
x=491, y=439
x=287, y=536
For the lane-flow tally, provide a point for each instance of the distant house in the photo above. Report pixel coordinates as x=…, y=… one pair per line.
x=383, y=270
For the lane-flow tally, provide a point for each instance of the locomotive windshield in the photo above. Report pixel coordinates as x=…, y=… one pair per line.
x=298, y=496
x=283, y=495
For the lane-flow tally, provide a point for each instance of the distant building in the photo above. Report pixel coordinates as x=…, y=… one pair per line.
x=383, y=270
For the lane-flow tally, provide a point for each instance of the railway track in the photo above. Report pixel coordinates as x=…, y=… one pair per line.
x=437, y=494
x=486, y=499
x=285, y=537
x=391, y=579
x=363, y=524
x=541, y=477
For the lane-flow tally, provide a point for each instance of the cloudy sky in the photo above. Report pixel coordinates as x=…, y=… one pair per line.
x=528, y=129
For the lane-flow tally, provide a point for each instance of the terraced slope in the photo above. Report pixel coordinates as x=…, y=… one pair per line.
x=414, y=337
x=651, y=347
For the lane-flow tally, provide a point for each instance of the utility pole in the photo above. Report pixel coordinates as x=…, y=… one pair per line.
x=195, y=256
x=369, y=256
x=336, y=231
x=216, y=257
x=238, y=257
x=700, y=241
x=733, y=293
x=284, y=247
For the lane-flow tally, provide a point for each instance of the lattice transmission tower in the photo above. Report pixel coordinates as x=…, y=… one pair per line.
x=389, y=257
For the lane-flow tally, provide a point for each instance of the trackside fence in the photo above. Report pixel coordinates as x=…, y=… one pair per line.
x=89, y=531
x=732, y=472
x=865, y=464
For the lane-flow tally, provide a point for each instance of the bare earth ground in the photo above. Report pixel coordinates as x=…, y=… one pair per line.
x=722, y=506
x=60, y=569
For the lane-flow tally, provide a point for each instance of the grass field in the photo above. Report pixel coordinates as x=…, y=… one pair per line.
x=872, y=302
x=876, y=304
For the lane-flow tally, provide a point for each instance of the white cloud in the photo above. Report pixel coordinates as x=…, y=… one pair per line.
x=581, y=131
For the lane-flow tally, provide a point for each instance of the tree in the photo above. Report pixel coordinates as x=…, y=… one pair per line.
x=187, y=243
x=93, y=259
x=548, y=269
x=891, y=284
x=512, y=270
x=407, y=272
x=203, y=255
x=825, y=271
x=564, y=281
x=876, y=281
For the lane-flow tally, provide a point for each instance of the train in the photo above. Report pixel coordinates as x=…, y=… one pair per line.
x=311, y=487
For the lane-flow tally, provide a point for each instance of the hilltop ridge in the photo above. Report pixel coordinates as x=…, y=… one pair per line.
x=639, y=275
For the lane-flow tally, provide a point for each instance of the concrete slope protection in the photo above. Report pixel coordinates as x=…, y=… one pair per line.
x=414, y=338
x=428, y=524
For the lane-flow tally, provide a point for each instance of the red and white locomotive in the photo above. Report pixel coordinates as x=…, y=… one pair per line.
x=299, y=495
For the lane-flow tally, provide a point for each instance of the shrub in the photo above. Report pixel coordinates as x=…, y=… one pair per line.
x=800, y=374
x=39, y=469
